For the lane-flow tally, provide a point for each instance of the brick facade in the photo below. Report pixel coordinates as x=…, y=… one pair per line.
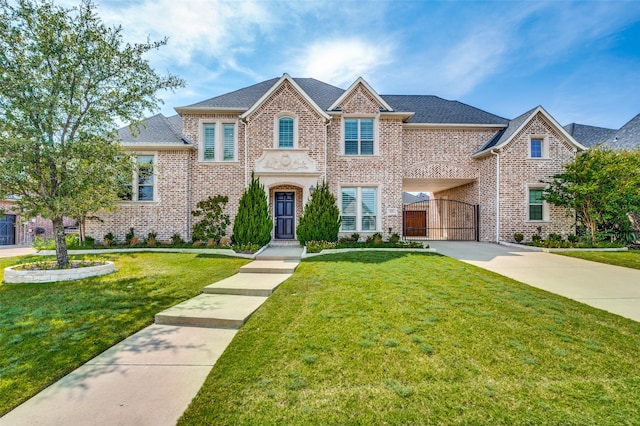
x=404, y=153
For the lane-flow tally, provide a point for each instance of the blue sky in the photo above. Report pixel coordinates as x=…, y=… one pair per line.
x=579, y=60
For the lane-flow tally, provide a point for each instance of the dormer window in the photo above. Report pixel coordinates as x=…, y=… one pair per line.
x=285, y=132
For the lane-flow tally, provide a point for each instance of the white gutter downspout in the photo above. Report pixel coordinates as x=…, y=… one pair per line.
x=497, y=154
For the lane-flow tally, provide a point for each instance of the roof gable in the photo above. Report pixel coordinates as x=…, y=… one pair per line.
x=360, y=82
x=505, y=136
x=296, y=86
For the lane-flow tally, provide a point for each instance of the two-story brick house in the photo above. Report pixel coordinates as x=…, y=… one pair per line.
x=370, y=148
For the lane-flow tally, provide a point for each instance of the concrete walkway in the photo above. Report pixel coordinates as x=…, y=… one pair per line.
x=11, y=251
x=151, y=377
x=612, y=288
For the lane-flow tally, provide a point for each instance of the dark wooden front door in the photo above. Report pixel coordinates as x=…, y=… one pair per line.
x=285, y=215
x=7, y=231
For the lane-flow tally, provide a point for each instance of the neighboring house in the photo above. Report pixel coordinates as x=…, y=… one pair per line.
x=20, y=230
x=627, y=137
x=296, y=132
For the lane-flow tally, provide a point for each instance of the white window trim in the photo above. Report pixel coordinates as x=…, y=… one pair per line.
x=358, y=188
x=276, y=129
x=219, y=142
x=376, y=134
x=545, y=205
x=134, y=180
x=545, y=147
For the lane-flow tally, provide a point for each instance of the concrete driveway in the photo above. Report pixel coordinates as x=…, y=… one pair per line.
x=11, y=251
x=613, y=288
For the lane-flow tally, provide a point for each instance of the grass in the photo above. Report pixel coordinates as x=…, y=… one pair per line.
x=629, y=259
x=48, y=330
x=412, y=338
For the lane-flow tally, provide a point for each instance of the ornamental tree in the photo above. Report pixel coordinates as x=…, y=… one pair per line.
x=253, y=223
x=320, y=219
x=601, y=186
x=66, y=81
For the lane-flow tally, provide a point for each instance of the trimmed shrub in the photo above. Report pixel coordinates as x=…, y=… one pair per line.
x=320, y=219
x=518, y=237
x=214, y=222
x=253, y=223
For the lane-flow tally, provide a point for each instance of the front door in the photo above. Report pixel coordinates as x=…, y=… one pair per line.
x=7, y=231
x=285, y=208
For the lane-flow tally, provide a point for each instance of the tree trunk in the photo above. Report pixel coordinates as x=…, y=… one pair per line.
x=62, y=256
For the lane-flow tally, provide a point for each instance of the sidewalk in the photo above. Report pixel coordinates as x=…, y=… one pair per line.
x=612, y=288
x=11, y=251
x=151, y=377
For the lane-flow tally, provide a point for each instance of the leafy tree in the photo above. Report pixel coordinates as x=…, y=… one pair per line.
x=214, y=221
x=601, y=186
x=321, y=219
x=66, y=81
x=253, y=223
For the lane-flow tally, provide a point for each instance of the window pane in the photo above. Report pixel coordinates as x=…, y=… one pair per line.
x=209, y=142
x=145, y=193
x=366, y=148
x=368, y=209
x=535, y=212
x=368, y=223
x=285, y=132
x=536, y=148
x=535, y=196
x=145, y=169
x=350, y=129
x=348, y=223
x=351, y=147
x=348, y=201
x=369, y=201
x=229, y=139
x=366, y=130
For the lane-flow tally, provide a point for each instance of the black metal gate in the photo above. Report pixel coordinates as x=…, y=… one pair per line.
x=440, y=220
x=7, y=229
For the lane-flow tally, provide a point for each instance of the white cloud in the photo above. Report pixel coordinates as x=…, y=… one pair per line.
x=197, y=30
x=341, y=61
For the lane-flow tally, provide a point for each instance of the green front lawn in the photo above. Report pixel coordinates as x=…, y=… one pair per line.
x=408, y=338
x=629, y=259
x=48, y=330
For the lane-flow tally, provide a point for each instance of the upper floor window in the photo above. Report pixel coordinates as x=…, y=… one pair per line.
x=218, y=142
x=285, y=132
x=358, y=136
x=142, y=186
x=538, y=147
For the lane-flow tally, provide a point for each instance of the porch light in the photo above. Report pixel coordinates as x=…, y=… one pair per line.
x=312, y=189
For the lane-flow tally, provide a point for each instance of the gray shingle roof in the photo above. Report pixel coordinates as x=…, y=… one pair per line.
x=505, y=134
x=322, y=94
x=428, y=109
x=589, y=135
x=157, y=130
x=435, y=110
x=628, y=137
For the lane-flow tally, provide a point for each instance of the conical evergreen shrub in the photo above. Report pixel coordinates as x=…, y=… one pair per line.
x=253, y=223
x=321, y=219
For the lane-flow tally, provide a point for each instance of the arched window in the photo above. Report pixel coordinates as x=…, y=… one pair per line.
x=285, y=132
